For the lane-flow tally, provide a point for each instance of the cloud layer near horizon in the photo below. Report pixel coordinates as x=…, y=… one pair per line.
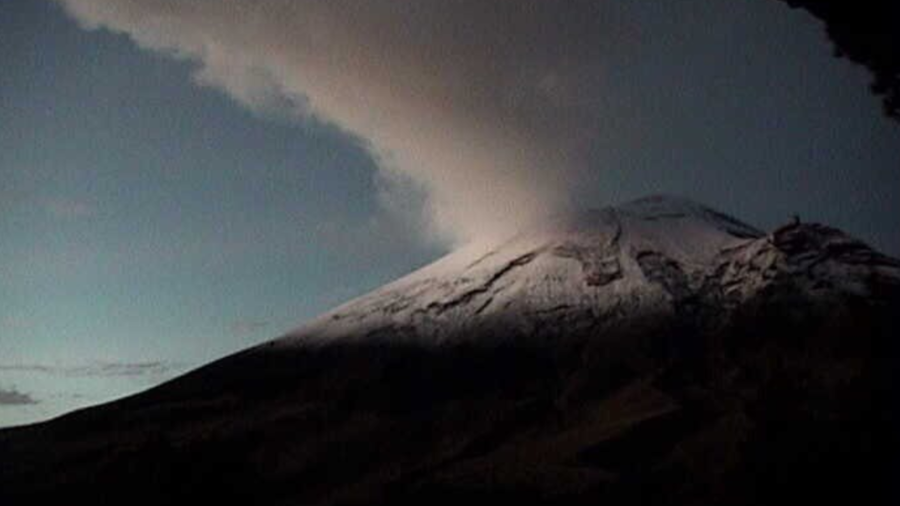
x=15, y=398
x=98, y=369
x=486, y=105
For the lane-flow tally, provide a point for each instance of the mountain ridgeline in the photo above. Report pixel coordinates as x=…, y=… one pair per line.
x=657, y=352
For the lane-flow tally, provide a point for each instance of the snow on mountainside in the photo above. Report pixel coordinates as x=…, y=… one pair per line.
x=655, y=254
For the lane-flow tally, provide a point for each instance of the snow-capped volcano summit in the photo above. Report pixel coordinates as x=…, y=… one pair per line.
x=658, y=352
x=650, y=255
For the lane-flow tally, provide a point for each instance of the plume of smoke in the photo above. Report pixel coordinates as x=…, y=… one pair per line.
x=483, y=103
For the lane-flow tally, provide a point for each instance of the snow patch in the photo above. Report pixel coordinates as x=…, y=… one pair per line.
x=645, y=256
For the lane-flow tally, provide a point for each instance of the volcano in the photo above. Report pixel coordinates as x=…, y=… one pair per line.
x=655, y=352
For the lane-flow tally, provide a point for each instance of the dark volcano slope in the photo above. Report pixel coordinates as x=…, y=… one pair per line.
x=784, y=396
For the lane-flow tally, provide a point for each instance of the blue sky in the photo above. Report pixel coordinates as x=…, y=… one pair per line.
x=146, y=219
x=150, y=225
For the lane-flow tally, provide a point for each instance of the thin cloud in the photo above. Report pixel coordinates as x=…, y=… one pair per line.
x=68, y=209
x=15, y=398
x=17, y=323
x=244, y=327
x=98, y=369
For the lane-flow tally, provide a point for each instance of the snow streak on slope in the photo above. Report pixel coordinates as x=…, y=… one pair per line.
x=651, y=256
x=586, y=267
